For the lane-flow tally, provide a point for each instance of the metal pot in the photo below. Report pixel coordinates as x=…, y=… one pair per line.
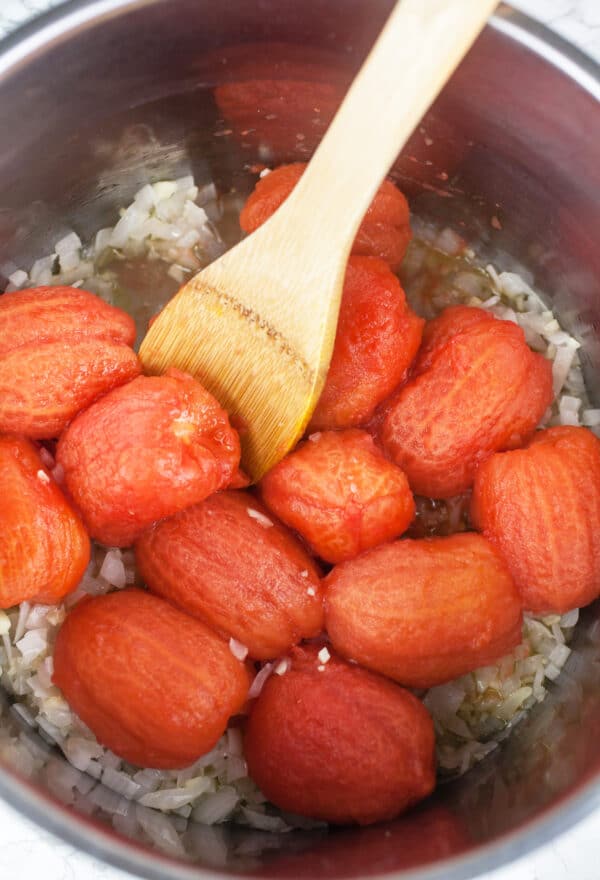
x=100, y=96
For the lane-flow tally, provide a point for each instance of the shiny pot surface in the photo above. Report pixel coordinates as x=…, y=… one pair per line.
x=98, y=98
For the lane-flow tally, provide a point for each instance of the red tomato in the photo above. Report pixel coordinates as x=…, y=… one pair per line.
x=377, y=338
x=340, y=493
x=145, y=451
x=424, y=612
x=154, y=685
x=335, y=742
x=385, y=231
x=540, y=506
x=225, y=562
x=481, y=389
x=44, y=549
x=60, y=349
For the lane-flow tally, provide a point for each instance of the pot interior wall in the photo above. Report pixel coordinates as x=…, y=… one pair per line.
x=169, y=87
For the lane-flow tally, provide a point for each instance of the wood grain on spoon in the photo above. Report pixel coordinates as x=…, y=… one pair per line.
x=257, y=326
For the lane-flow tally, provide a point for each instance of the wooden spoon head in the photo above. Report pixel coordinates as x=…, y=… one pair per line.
x=267, y=387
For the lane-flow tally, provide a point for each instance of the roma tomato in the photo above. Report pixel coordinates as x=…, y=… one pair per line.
x=225, y=562
x=480, y=390
x=377, y=338
x=424, y=611
x=385, y=231
x=153, y=684
x=335, y=742
x=145, y=451
x=60, y=349
x=540, y=506
x=44, y=548
x=340, y=493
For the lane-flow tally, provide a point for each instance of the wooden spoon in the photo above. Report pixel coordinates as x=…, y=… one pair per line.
x=257, y=326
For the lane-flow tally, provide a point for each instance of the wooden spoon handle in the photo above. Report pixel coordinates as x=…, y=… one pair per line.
x=418, y=49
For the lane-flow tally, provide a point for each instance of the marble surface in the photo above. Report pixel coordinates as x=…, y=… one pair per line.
x=26, y=852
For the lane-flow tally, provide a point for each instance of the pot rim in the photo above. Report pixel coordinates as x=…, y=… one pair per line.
x=16, y=50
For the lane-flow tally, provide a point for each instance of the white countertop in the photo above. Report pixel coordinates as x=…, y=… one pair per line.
x=28, y=853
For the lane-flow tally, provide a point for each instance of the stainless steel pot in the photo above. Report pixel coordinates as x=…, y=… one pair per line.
x=100, y=96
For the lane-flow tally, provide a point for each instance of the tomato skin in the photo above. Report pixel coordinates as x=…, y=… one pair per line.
x=377, y=338
x=253, y=582
x=60, y=349
x=540, y=506
x=452, y=321
x=153, y=684
x=145, y=451
x=269, y=193
x=424, y=611
x=44, y=548
x=42, y=314
x=340, y=493
x=480, y=390
x=318, y=737
x=385, y=231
